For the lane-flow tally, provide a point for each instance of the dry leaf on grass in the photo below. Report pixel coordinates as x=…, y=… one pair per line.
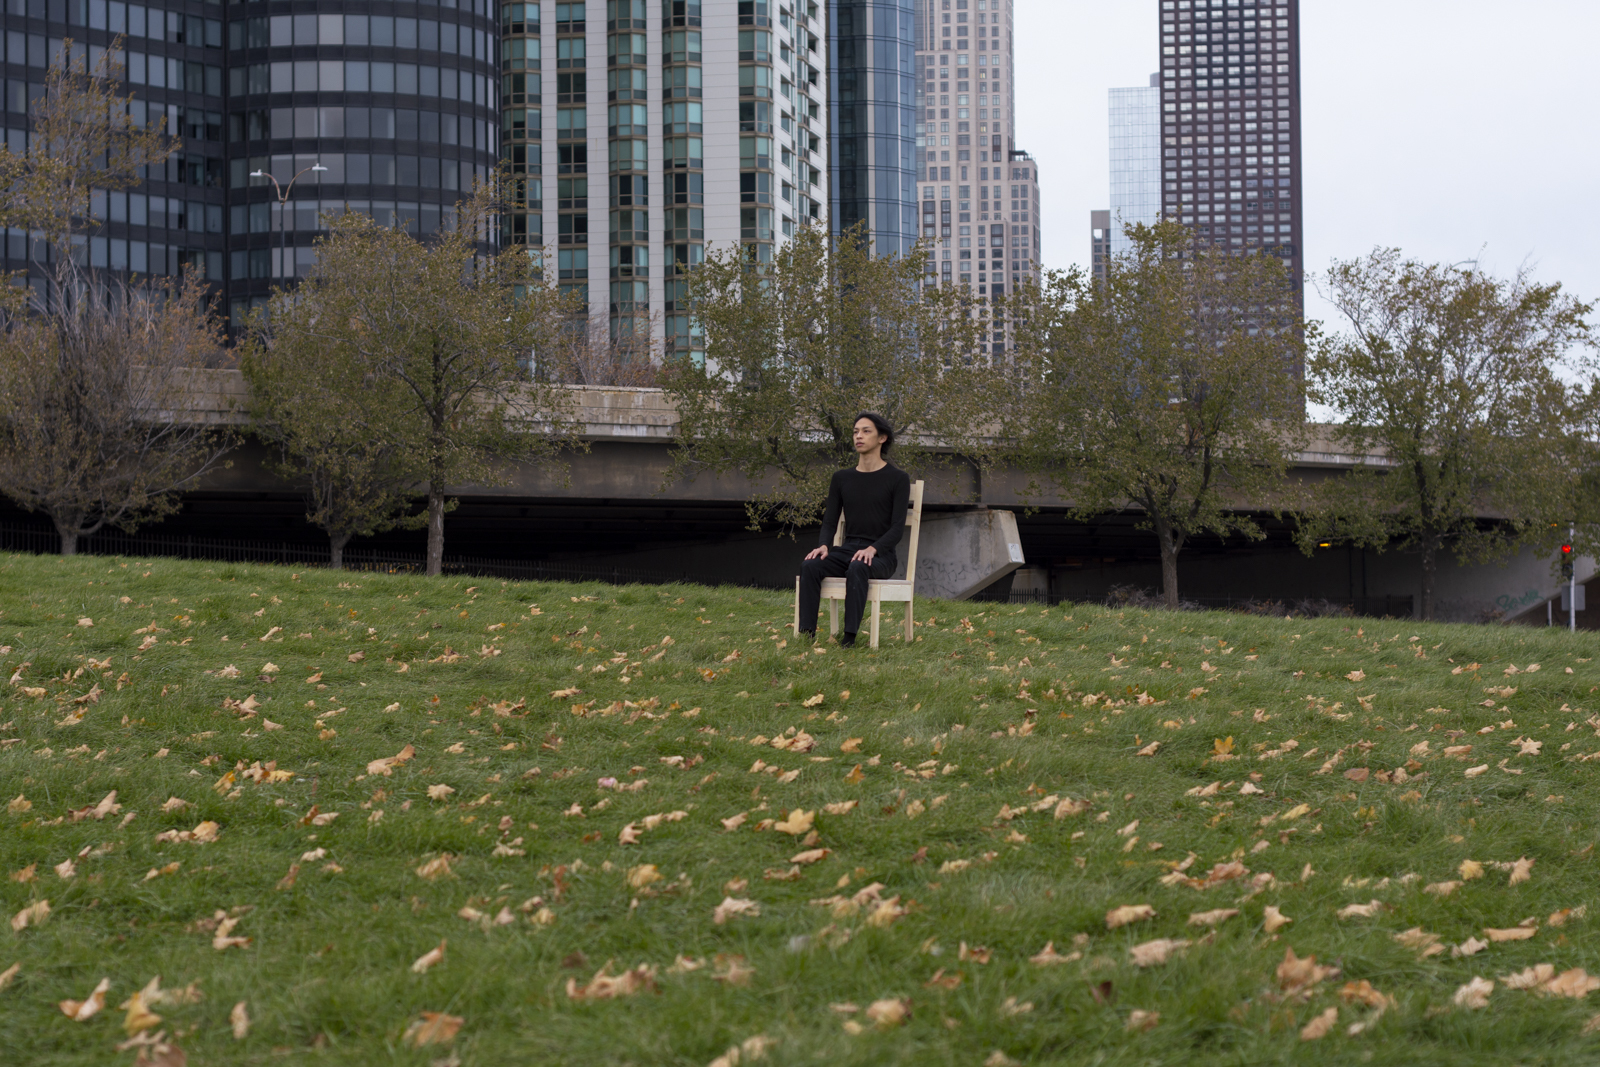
x=387, y=764
x=1128, y=913
x=607, y=986
x=428, y=959
x=9, y=975
x=434, y=1028
x=889, y=1013
x=1213, y=917
x=139, y=1017
x=1443, y=889
x=83, y=1010
x=1515, y=933
x=1273, y=920
x=33, y=915
x=1475, y=994
x=1471, y=869
x=1362, y=911
x=1297, y=973
x=1420, y=941
x=732, y=906
x=239, y=1020
x=1140, y=1020
x=799, y=822
x=1318, y=1028
x=1521, y=871
x=1542, y=978
x=1049, y=957
x=1152, y=953
x=1362, y=993
x=221, y=939
x=436, y=868
x=750, y=1050
x=1470, y=947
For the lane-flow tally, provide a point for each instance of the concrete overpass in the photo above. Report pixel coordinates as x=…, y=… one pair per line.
x=614, y=508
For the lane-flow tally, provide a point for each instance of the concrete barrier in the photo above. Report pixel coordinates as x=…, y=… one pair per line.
x=964, y=553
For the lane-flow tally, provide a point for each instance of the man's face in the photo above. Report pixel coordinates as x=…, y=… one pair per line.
x=867, y=436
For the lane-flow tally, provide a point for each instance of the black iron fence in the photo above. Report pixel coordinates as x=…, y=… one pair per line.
x=301, y=554
x=1379, y=607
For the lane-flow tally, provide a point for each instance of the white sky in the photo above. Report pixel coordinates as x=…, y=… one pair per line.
x=1444, y=129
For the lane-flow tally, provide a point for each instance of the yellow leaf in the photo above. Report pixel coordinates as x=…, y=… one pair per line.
x=1471, y=869
x=434, y=1028
x=1515, y=933
x=1273, y=920
x=239, y=1020
x=436, y=868
x=643, y=875
x=812, y=701
x=33, y=915
x=889, y=1013
x=82, y=1010
x=139, y=1017
x=798, y=822
x=1521, y=871
x=428, y=959
x=1128, y=913
x=1318, y=1028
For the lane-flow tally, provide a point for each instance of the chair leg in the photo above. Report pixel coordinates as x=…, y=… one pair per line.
x=797, y=607
x=833, y=616
x=875, y=606
x=908, y=622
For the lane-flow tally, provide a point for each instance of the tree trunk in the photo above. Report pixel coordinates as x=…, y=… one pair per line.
x=1169, y=572
x=336, y=545
x=1430, y=570
x=435, y=529
x=69, y=540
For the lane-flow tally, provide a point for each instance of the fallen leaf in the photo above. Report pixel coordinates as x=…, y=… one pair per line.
x=1213, y=917
x=1273, y=920
x=428, y=959
x=1470, y=947
x=1576, y=983
x=439, y=792
x=1151, y=953
x=221, y=939
x=798, y=822
x=239, y=1020
x=606, y=986
x=1515, y=933
x=33, y=915
x=812, y=701
x=1128, y=913
x=1361, y=911
x=1318, y=1027
x=436, y=868
x=1442, y=889
x=82, y=1010
x=1521, y=871
x=1049, y=957
x=889, y=1013
x=732, y=906
x=1420, y=941
x=434, y=1028
x=139, y=1017
x=813, y=855
x=1140, y=1021
x=1297, y=973
x=1362, y=993
x=1354, y=676
x=386, y=765
x=1471, y=869
x=1475, y=994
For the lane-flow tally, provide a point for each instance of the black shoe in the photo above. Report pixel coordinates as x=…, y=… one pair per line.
x=847, y=640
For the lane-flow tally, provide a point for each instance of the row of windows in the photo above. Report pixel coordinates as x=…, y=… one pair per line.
x=360, y=76
x=358, y=168
x=135, y=20
x=378, y=123
x=377, y=31
x=120, y=253
x=307, y=216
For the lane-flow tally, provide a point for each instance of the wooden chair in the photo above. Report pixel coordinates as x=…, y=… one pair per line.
x=879, y=590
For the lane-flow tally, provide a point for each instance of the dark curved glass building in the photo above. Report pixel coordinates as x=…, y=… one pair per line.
x=396, y=103
x=872, y=88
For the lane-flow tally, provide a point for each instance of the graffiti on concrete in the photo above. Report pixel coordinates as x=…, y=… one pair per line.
x=1507, y=602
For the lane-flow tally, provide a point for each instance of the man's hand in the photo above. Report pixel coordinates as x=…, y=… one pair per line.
x=866, y=555
x=817, y=553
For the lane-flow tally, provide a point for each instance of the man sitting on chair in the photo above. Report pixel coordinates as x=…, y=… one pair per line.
x=874, y=497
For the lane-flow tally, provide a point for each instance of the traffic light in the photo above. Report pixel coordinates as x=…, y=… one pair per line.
x=1566, y=562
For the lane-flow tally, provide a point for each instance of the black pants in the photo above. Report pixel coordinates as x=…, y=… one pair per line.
x=837, y=564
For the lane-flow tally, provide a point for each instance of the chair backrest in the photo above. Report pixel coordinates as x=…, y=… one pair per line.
x=913, y=520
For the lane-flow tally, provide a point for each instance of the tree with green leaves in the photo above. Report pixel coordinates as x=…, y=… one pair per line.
x=96, y=372
x=795, y=349
x=1469, y=401
x=431, y=342
x=1170, y=389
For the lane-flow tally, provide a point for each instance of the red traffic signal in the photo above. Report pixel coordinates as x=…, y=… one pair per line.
x=1566, y=551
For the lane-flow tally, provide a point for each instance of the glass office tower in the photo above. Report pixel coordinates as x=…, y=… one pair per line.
x=1135, y=159
x=872, y=57
x=397, y=104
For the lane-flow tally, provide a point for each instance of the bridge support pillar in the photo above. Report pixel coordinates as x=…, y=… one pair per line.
x=963, y=553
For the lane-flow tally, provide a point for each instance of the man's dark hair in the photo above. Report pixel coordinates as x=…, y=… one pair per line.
x=883, y=427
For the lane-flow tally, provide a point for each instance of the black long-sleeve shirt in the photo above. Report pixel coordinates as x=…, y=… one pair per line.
x=874, y=505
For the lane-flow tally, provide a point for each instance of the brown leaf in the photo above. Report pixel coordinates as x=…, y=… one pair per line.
x=1213, y=917
x=1273, y=920
x=1049, y=957
x=83, y=1010
x=1475, y=994
x=1128, y=913
x=732, y=906
x=1140, y=1020
x=1297, y=973
x=1151, y=953
x=1521, y=871
x=1362, y=993
x=33, y=915
x=438, y=867
x=434, y=1028
x=239, y=1020
x=606, y=986
x=889, y=1013
x=798, y=822
x=428, y=959
x=1318, y=1028
x=1515, y=933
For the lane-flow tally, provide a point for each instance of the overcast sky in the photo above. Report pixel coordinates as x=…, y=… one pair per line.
x=1443, y=129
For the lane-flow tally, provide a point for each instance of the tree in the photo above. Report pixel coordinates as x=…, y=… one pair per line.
x=337, y=425
x=445, y=332
x=95, y=373
x=1470, y=394
x=796, y=348
x=1171, y=388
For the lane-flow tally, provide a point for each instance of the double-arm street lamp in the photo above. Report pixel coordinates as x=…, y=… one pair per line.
x=283, y=209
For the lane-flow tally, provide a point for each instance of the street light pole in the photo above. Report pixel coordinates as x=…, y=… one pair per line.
x=283, y=192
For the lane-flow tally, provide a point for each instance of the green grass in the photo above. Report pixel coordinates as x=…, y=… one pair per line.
x=327, y=976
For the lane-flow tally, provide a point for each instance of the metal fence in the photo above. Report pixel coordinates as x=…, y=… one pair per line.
x=300, y=554
x=1384, y=607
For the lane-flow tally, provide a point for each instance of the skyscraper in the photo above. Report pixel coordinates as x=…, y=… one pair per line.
x=979, y=192
x=398, y=108
x=1135, y=159
x=1230, y=123
x=706, y=123
x=872, y=117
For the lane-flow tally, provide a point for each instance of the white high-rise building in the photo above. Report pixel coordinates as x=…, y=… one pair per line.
x=979, y=192
x=646, y=131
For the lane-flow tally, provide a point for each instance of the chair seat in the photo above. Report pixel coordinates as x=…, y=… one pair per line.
x=877, y=589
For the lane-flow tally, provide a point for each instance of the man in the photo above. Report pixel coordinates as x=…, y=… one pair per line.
x=874, y=497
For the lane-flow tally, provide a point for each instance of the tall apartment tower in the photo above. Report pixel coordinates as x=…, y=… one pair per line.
x=397, y=105
x=1230, y=124
x=979, y=192
x=1135, y=128
x=872, y=115
x=673, y=125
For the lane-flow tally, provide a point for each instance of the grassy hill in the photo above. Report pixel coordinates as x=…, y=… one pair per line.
x=1033, y=836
